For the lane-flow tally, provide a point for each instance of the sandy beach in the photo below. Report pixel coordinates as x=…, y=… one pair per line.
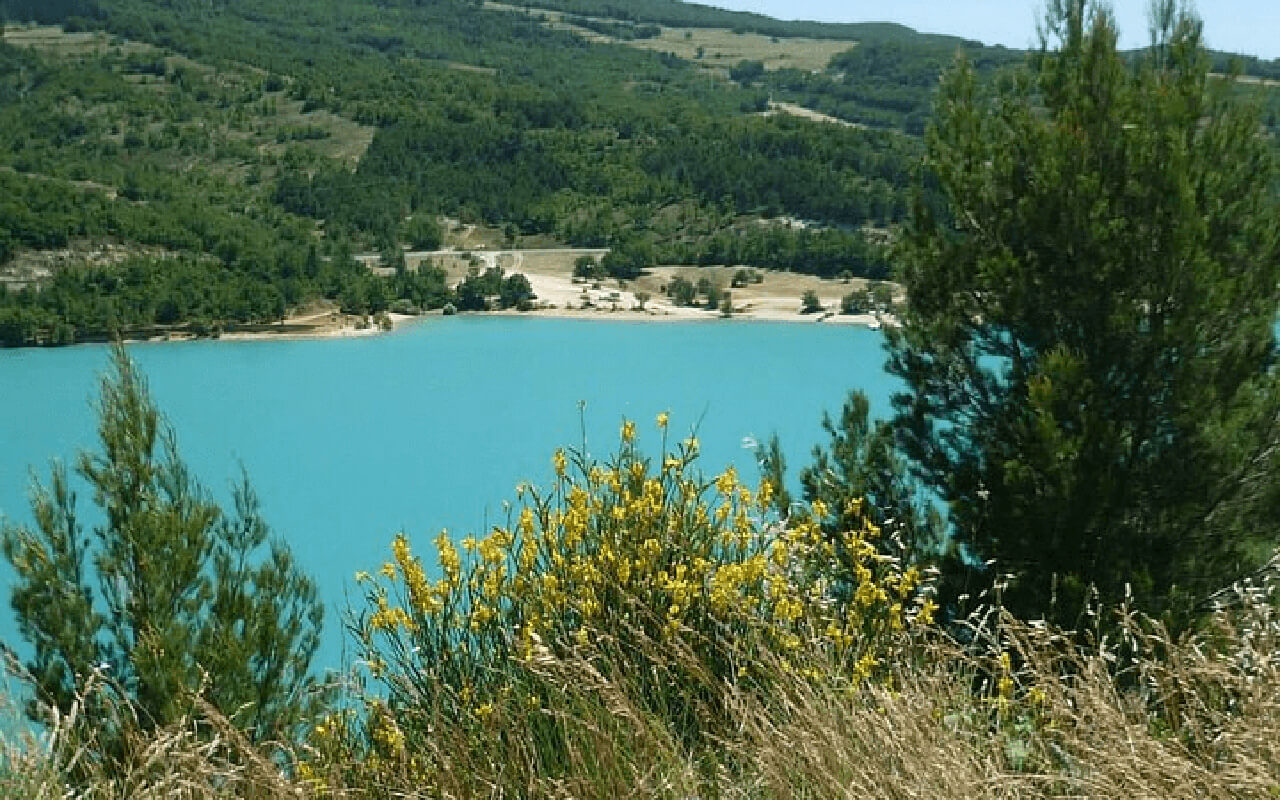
x=776, y=298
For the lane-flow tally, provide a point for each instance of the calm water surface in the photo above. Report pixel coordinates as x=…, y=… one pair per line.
x=348, y=441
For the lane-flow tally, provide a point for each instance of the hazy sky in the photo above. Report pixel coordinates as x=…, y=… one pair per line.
x=1243, y=26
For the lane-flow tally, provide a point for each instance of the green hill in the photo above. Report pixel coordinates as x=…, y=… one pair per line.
x=198, y=165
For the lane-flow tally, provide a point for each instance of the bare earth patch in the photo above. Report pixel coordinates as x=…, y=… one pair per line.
x=550, y=272
x=794, y=110
x=713, y=48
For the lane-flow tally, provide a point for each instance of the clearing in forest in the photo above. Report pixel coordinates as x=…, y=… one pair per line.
x=717, y=49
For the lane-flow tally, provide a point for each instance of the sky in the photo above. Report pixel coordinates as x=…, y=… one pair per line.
x=1251, y=27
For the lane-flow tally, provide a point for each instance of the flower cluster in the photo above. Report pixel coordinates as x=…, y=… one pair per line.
x=633, y=550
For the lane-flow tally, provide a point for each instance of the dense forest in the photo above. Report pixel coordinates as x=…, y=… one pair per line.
x=252, y=150
x=191, y=138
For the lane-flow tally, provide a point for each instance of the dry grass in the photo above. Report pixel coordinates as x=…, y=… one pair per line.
x=721, y=48
x=794, y=110
x=1137, y=716
x=347, y=141
x=52, y=39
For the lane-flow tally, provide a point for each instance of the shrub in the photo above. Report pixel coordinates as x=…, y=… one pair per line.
x=810, y=303
x=587, y=267
x=747, y=71
x=858, y=302
x=633, y=561
x=175, y=604
x=422, y=232
x=516, y=292
x=682, y=292
x=406, y=307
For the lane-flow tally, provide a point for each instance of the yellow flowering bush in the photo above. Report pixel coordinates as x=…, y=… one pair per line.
x=623, y=560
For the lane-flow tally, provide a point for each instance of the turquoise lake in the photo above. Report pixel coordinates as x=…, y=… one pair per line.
x=348, y=441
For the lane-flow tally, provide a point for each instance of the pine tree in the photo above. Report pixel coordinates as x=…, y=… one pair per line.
x=860, y=475
x=1088, y=342
x=169, y=597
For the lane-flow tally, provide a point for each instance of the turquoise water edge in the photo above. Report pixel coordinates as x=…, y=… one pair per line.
x=348, y=441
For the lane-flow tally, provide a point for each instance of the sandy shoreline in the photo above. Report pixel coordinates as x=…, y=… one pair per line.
x=402, y=321
x=776, y=298
x=698, y=315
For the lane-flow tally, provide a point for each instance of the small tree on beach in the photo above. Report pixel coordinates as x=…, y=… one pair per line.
x=856, y=302
x=682, y=292
x=810, y=303
x=169, y=599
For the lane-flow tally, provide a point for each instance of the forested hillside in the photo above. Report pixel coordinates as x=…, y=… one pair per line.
x=232, y=156
x=1051, y=571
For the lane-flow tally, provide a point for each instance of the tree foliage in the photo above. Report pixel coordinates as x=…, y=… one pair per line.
x=860, y=473
x=1088, y=342
x=169, y=598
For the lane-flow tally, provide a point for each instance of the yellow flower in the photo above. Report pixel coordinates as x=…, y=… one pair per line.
x=628, y=431
x=778, y=552
x=765, y=494
x=388, y=571
x=727, y=482
x=449, y=561
x=866, y=665
x=560, y=463
x=925, y=615
x=663, y=418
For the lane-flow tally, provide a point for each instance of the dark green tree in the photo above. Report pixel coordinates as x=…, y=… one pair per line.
x=682, y=292
x=1088, y=339
x=810, y=303
x=516, y=292
x=422, y=232
x=860, y=475
x=856, y=302
x=585, y=266
x=629, y=259
x=169, y=598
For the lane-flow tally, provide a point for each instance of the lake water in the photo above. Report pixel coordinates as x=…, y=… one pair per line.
x=349, y=441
